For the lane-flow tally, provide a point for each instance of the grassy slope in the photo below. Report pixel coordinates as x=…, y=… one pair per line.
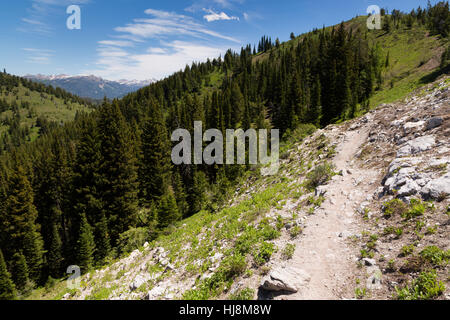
x=414, y=55
x=45, y=105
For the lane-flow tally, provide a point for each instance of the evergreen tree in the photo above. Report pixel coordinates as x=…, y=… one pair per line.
x=118, y=170
x=7, y=288
x=22, y=215
x=19, y=271
x=85, y=245
x=316, y=103
x=167, y=210
x=198, y=192
x=103, y=244
x=156, y=163
x=55, y=254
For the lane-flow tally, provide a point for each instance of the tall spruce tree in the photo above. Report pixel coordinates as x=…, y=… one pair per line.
x=167, y=210
x=118, y=170
x=22, y=215
x=55, y=254
x=7, y=288
x=156, y=163
x=85, y=246
x=19, y=271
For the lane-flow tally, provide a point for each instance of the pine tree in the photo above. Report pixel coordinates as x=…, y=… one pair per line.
x=55, y=254
x=198, y=192
x=237, y=104
x=103, y=245
x=7, y=288
x=316, y=103
x=19, y=271
x=156, y=163
x=167, y=210
x=180, y=193
x=87, y=181
x=22, y=216
x=118, y=171
x=85, y=245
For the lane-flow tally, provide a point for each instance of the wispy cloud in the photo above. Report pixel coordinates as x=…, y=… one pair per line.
x=215, y=16
x=154, y=62
x=157, y=46
x=38, y=56
x=164, y=24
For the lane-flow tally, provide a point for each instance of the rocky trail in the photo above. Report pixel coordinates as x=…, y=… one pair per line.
x=324, y=257
x=327, y=263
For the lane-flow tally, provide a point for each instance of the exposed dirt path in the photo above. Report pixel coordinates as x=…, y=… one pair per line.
x=323, y=251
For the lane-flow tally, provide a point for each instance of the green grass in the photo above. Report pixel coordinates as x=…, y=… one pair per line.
x=40, y=105
x=409, y=52
x=425, y=287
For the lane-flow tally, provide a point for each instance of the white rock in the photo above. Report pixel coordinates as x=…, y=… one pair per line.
x=155, y=293
x=417, y=145
x=138, y=281
x=438, y=187
x=289, y=279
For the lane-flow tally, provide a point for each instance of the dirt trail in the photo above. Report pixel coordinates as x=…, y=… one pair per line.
x=323, y=251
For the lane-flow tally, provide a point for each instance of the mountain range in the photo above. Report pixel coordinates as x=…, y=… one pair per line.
x=90, y=86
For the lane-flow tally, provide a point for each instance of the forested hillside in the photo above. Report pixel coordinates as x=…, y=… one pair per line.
x=94, y=188
x=29, y=109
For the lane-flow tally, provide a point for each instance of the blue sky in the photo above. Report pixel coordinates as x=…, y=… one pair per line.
x=144, y=39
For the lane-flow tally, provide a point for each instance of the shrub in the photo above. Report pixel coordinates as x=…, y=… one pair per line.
x=417, y=209
x=394, y=207
x=245, y=242
x=268, y=232
x=243, y=295
x=133, y=239
x=288, y=251
x=360, y=293
x=435, y=255
x=407, y=250
x=295, y=231
x=233, y=266
x=264, y=253
x=319, y=176
x=425, y=287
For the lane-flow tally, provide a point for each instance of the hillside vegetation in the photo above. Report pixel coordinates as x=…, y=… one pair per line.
x=97, y=188
x=28, y=110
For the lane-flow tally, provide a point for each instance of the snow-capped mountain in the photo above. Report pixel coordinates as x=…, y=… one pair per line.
x=91, y=86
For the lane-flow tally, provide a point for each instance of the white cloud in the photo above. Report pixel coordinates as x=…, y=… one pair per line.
x=116, y=43
x=38, y=56
x=180, y=40
x=214, y=16
x=153, y=63
x=164, y=24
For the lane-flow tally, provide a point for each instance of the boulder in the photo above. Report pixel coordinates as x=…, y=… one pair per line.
x=417, y=145
x=437, y=187
x=413, y=126
x=374, y=280
x=66, y=296
x=138, y=281
x=155, y=293
x=289, y=279
x=321, y=191
x=434, y=123
x=369, y=262
x=409, y=188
